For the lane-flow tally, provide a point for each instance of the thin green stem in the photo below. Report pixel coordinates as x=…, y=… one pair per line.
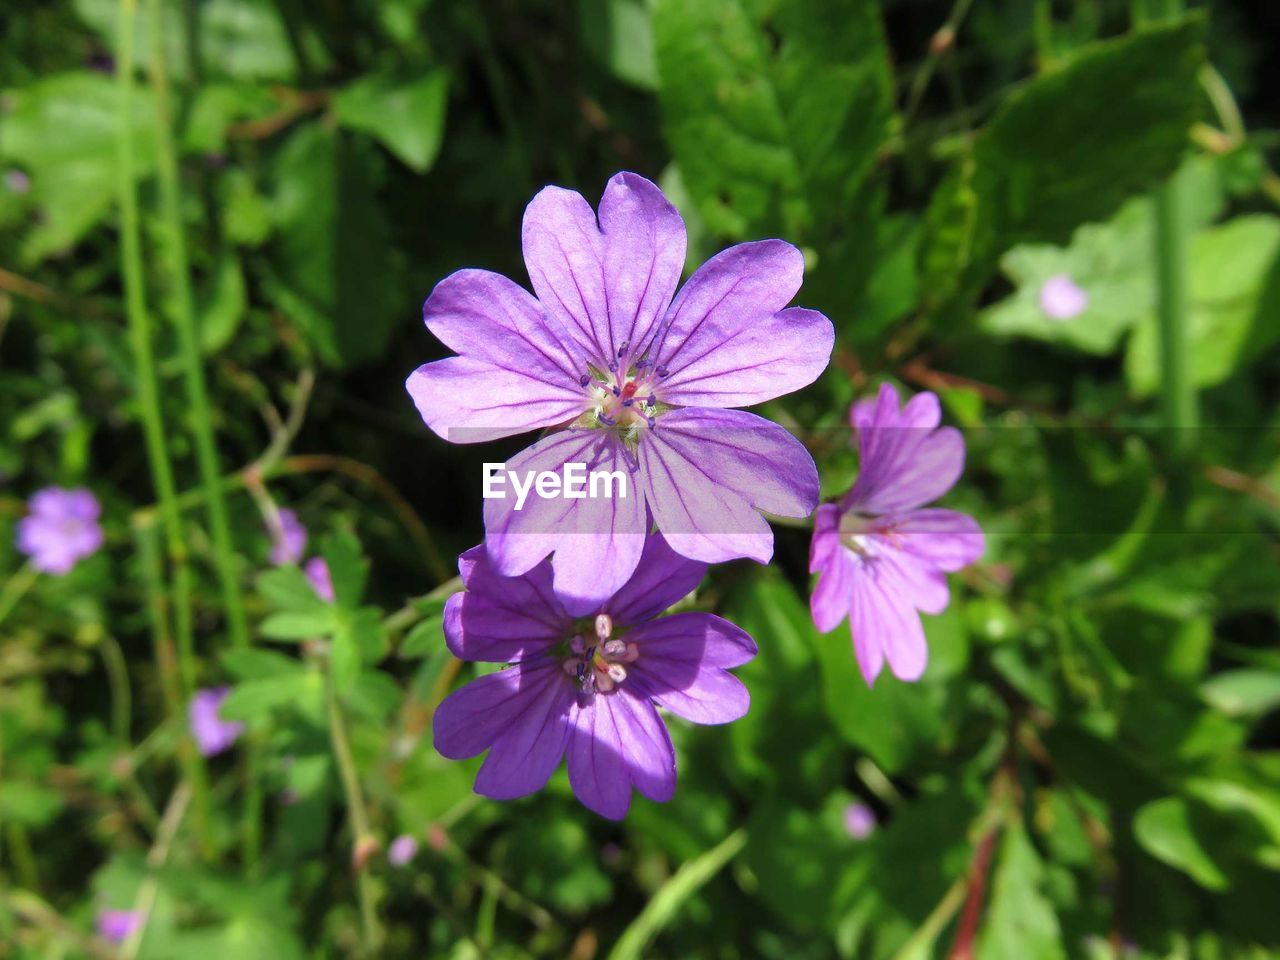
x=362, y=835
x=15, y=589
x=175, y=247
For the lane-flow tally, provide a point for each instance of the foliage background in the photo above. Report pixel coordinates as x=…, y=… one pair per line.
x=1089, y=767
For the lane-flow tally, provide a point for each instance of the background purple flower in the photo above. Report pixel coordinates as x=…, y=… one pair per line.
x=859, y=821
x=115, y=926
x=879, y=557
x=586, y=687
x=317, y=571
x=289, y=541
x=1061, y=298
x=60, y=529
x=212, y=734
x=403, y=849
x=645, y=379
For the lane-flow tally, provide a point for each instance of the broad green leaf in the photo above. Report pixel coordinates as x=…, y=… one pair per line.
x=1020, y=921
x=258, y=663
x=288, y=589
x=223, y=304
x=255, y=698
x=297, y=625
x=1228, y=269
x=424, y=640
x=619, y=34
x=348, y=568
x=1068, y=148
x=406, y=117
x=1243, y=693
x=775, y=114
x=1166, y=831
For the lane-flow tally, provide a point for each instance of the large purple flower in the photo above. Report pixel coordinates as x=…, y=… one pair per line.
x=880, y=557
x=639, y=381
x=585, y=686
x=61, y=529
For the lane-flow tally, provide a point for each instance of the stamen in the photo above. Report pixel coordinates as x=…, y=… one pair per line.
x=615, y=648
x=604, y=628
x=629, y=401
x=604, y=418
x=662, y=372
x=613, y=366
x=653, y=422
x=633, y=652
x=604, y=682
x=617, y=392
x=622, y=350
x=584, y=379
x=616, y=672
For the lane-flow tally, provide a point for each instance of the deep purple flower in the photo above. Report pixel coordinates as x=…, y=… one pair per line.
x=61, y=528
x=288, y=540
x=859, y=821
x=116, y=926
x=212, y=734
x=640, y=381
x=1061, y=298
x=317, y=572
x=879, y=556
x=403, y=849
x=587, y=686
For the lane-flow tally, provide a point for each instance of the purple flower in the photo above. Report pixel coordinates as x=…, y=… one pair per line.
x=288, y=540
x=212, y=734
x=1061, y=298
x=587, y=686
x=640, y=381
x=859, y=821
x=317, y=572
x=403, y=849
x=17, y=182
x=115, y=926
x=61, y=529
x=879, y=557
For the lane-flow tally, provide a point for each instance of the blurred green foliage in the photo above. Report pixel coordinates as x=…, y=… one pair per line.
x=1089, y=767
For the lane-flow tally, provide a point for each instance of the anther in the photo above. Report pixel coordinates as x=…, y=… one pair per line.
x=604, y=628
x=613, y=366
x=615, y=648
x=617, y=392
x=617, y=672
x=584, y=379
x=662, y=371
x=653, y=422
x=604, y=418
x=622, y=350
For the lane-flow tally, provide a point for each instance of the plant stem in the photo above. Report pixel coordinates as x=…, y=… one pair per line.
x=362, y=835
x=175, y=246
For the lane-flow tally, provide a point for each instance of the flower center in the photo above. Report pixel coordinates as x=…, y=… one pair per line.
x=597, y=660
x=625, y=393
x=861, y=535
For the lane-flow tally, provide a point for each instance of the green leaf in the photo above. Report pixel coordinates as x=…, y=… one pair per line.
x=294, y=625
x=223, y=304
x=288, y=589
x=1243, y=693
x=258, y=663
x=253, y=699
x=424, y=640
x=348, y=569
x=619, y=33
x=334, y=274
x=1021, y=921
x=1166, y=831
x=1066, y=149
x=62, y=130
x=1229, y=268
x=406, y=118
x=775, y=114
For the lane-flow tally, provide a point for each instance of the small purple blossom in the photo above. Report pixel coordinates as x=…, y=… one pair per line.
x=585, y=687
x=116, y=926
x=1061, y=298
x=859, y=821
x=635, y=378
x=403, y=849
x=60, y=529
x=880, y=557
x=17, y=182
x=288, y=540
x=212, y=734
x=317, y=571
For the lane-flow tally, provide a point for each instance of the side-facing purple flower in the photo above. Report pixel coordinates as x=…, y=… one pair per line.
x=212, y=734
x=588, y=687
x=642, y=380
x=289, y=540
x=116, y=926
x=403, y=849
x=317, y=571
x=61, y=529
x=881, y=558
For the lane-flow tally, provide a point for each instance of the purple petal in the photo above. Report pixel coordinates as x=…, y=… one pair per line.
x=289, y=540
x=833, y=592
x=945, y=538
x=1062, y=299
x=684, y=662
x=465, y=400
x=706, y=473
x=597, y=540
x=525, y=755
x=727, y=340
x=859, y=821
x=212, y=734
x=906, y=460
x=499, y=618
x=885, y=626
x=662, y=579
x=474, y=717
x=618, y=741
x=489, y=318
x=116, y=926
x=403, y=849
x=317, y=571
x=606, y=283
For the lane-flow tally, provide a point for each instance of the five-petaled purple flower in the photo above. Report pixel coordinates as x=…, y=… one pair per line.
x=641, y=382
x=585, y=686
x=879, y=556
x=116, y=926
x=61, y=529
x=212, y=734
x=289, y=539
